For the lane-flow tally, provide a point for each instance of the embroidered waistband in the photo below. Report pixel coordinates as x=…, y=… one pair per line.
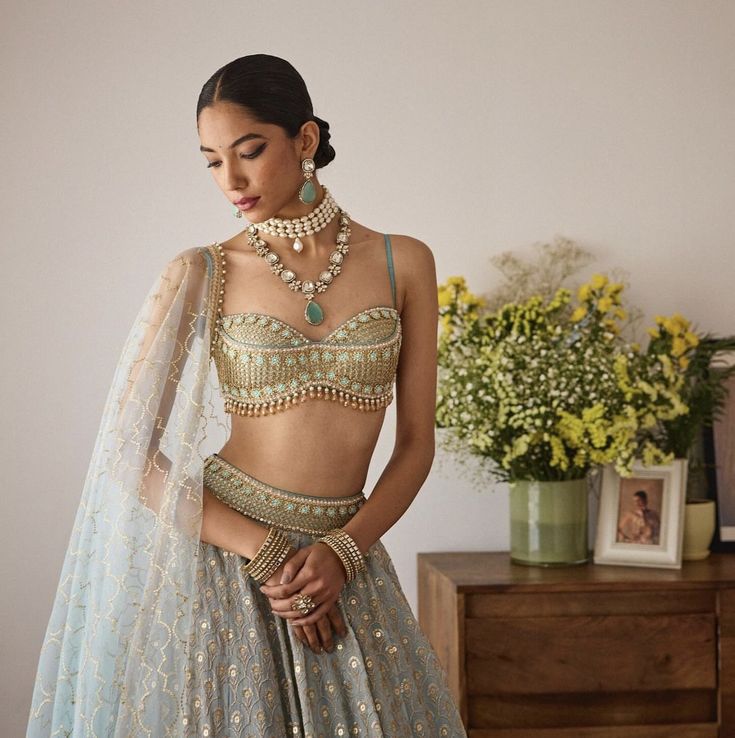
x=260, y=501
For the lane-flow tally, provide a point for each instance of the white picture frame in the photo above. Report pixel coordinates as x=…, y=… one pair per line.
x=640, y=518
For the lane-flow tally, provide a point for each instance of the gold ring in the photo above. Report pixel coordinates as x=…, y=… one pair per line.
x=303, y=603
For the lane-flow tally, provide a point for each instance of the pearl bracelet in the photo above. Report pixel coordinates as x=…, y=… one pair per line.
x=269, y=556
x=353, y=560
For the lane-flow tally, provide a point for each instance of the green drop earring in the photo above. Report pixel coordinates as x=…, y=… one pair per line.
x=307, y=191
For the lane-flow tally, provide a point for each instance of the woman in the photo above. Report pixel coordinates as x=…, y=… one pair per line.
x=246, y=592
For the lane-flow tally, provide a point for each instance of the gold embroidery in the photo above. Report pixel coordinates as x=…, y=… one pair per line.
x=266, y=365
x=268, y=504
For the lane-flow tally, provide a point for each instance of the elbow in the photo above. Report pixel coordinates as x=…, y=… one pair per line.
x=421, y=449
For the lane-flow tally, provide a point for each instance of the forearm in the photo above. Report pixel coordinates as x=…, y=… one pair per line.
x=227, y=528
x=394, y=492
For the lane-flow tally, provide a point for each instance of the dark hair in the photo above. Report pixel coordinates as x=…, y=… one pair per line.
x=640, y=493
x=273, y=91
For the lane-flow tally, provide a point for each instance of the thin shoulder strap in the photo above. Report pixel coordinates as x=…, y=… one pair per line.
x=389, y=257
x=216, y=275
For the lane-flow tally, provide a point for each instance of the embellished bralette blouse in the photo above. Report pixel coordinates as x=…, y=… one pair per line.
x=265, y=364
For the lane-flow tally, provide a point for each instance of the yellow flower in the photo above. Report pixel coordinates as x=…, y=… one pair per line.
x=593, y=413
x=578, y=314
x=649, y=420
x=468, y=298
x=683, y=362
x=456, y=281
x=678, y=346
x=445, y=297
x=620, y=313
x=604, y=304
x=681, y=323
x=598, y=281
x=558, y=454
x=653, y=332
x=691, y=338
x=675, y=325
x=614, y=288
x=584, y=292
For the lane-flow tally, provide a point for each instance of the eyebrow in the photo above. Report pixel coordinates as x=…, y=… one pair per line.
x=246, y=137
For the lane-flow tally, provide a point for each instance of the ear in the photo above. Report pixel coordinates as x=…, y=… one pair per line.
x=309, y=139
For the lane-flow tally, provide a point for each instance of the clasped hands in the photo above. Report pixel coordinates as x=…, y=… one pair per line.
x=315, y=570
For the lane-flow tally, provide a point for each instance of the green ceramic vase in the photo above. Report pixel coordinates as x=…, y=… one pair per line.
x=548, y=523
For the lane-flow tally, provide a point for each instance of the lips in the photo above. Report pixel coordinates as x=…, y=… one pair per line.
x=246, y=200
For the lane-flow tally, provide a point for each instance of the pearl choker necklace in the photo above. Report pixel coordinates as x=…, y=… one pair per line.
x=306, y=225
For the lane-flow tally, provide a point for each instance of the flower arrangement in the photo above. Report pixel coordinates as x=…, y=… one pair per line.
x=546, y=387
x=704, y=391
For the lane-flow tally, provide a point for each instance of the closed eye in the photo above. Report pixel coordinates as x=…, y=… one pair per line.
x=255, y=153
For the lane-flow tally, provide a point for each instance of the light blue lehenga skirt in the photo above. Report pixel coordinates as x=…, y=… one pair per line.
x=250, y=677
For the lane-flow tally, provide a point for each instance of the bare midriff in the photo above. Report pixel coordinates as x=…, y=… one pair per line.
x=317, y=447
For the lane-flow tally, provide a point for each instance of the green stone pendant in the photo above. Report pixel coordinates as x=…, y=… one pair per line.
x=307, y=192
x=313, y=313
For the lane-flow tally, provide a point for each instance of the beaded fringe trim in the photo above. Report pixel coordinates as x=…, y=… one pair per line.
x=279, y=507
x=283, y=403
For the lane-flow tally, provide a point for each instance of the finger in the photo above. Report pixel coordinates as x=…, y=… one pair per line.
x=313, y=638
x=298, y=632
x=324, y=627
x=299, y=579
x=290, y=570
x=337, y=620
x=314, y=615
x=285, y=607
x=293, y=564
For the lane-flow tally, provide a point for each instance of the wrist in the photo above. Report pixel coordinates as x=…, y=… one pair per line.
x=341, y=542
x=269, y=557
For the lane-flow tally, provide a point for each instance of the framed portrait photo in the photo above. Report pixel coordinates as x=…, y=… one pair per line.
x=640, y=518
x=719, y=457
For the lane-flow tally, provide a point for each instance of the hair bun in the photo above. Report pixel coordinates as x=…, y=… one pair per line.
x=325, y=151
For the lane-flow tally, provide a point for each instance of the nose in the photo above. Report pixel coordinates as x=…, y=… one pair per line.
x=232, y=179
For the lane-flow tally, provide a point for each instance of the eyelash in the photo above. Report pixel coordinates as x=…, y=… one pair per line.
x=245, y=156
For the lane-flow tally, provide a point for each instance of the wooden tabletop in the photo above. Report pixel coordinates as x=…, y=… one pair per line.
x=476, y=571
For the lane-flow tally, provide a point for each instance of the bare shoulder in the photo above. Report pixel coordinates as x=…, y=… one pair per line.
x=412, y=252
x=415, y=268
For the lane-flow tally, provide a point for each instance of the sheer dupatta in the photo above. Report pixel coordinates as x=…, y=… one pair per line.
x=115, y=652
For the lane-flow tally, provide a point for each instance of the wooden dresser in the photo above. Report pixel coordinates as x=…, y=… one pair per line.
x=589, y=651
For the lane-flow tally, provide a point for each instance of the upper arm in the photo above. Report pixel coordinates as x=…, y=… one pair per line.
x=417, y=366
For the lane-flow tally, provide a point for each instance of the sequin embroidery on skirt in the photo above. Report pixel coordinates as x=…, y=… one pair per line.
x=250, y=677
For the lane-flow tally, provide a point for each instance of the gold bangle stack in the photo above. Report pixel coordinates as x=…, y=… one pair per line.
x=344, y=546
x=269, y=556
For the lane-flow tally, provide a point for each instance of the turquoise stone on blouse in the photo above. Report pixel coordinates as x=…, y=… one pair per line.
x=313, y=313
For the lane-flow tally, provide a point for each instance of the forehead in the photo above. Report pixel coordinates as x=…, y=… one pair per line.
x=221, y=124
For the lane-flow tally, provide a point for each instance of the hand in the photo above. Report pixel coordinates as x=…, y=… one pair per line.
x=277, y=575
x=319, y=636
x=315, y=570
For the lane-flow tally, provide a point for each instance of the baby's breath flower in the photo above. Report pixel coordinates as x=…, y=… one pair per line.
x=545, y=390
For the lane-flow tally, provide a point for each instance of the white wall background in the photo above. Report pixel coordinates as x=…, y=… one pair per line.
x=474, y=126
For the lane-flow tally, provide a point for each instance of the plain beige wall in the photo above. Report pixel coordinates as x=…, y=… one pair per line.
x=474, y=126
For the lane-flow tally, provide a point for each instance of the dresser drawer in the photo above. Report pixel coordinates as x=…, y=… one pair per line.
x=575, y=658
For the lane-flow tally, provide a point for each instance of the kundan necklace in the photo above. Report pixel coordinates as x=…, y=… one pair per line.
x=306, y=225
x=313, y=313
